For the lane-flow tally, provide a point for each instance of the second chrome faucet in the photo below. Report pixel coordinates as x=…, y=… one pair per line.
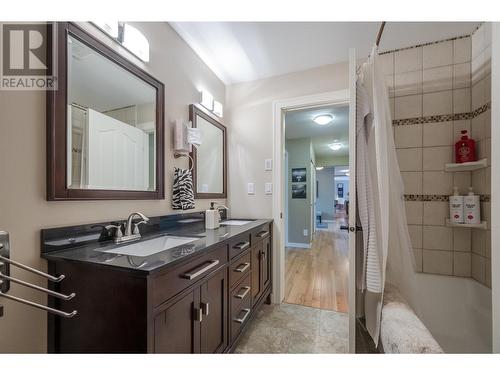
x=130, y=234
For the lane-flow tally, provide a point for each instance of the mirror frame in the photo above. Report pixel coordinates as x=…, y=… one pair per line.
x=197, y=110
x=57, y=127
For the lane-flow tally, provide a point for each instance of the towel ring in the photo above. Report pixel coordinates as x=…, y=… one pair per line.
x=178, y=155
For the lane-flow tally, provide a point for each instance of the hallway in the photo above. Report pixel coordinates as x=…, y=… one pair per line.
x=317, y=277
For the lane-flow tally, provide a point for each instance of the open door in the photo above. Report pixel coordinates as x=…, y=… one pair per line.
x=352, y=201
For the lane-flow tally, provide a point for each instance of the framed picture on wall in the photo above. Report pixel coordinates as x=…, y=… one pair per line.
x=299, y=191
x=299, y=175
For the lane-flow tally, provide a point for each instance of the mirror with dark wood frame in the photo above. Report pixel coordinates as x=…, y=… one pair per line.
x=210, y=158
x=105, y=123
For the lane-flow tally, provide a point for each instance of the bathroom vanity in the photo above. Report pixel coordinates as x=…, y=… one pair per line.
x=195, y=297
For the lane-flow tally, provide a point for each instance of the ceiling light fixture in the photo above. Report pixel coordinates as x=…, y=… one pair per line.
x=323, y=119
x=319, y=168
x=335, y=146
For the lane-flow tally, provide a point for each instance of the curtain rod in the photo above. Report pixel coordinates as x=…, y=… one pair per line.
x=380, y=31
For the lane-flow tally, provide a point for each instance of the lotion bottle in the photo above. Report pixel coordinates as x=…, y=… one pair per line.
x=212, y=217
x=456, y=207
x=472, y=208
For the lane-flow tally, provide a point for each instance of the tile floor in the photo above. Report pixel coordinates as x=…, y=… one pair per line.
x=288, y=328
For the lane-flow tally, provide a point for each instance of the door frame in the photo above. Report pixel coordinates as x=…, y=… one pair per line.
x=340, y=97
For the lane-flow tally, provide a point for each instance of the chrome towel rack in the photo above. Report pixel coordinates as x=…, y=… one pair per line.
x=6, y=279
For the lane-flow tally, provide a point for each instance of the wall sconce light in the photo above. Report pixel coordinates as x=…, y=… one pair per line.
x=217, y=108
x=206, y=100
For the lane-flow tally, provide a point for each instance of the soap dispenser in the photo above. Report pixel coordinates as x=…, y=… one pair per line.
x=456, y=207
x=472, y=214
x=212, y=217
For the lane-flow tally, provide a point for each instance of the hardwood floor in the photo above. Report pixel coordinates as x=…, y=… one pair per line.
x=317, y=277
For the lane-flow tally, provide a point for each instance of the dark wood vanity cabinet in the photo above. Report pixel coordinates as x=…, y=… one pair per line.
x=200, y=305
x=197, y=321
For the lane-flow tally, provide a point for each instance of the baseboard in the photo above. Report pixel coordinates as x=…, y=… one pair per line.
x=301, y=245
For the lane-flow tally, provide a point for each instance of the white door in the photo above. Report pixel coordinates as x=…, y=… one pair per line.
x=117, y=154
x=352, y=201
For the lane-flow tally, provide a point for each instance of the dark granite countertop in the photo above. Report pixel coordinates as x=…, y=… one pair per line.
x=93, y=249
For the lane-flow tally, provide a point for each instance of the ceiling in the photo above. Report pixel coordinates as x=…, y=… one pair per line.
x=300, y=124
x=247, y=51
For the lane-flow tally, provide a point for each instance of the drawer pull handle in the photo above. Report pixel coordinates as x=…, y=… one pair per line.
x=201, y=271
x=205, y=308
x=241, y=320
x=242, y=295
x=263, y=255
x=198, y=315
x=263, y=234
x=242, y=267
x=242, y=245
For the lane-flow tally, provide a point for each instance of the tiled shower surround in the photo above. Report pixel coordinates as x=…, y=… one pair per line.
x=436, y=90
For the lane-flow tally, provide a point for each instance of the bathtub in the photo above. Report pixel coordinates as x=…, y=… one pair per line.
x=456, y=310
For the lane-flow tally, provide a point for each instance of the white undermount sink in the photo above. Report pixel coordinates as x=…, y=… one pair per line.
x=235, y=222
x=152, y=246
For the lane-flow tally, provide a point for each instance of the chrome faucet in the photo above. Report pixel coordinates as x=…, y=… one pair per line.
x=130, y=234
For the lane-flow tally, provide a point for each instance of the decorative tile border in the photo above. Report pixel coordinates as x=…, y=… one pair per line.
x=442, y=118
x=427, y=44
x=436, y=198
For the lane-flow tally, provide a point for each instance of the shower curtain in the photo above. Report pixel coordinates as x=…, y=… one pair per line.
x=380, y=191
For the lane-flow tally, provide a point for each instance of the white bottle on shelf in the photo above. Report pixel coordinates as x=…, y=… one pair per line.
x=456, y=207
x=472, y=208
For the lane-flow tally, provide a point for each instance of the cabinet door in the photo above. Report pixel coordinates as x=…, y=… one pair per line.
x=256, y=272
x=176, y=329
x=213, y=305
x=266, y=262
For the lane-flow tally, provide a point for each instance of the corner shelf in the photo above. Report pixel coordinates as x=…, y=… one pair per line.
x=470, y=166
x=483, y=225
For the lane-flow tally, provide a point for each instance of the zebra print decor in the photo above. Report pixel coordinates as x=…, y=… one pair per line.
x=182, y=194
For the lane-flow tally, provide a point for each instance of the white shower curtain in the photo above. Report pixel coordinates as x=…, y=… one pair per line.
x=386, y=225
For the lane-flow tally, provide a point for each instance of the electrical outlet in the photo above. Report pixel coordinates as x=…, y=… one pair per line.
x=306, y=232
x=268, y=165
x=251, y=188
x=268, y=188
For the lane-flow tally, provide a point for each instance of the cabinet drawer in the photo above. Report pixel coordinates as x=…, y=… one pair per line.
x=239, y=268
x=175, y=280
x=241, y=302
x=239, y=245
x=260, y=233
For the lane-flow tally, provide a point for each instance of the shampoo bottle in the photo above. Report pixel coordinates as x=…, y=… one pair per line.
x=212, y=217
x=472, y=214
x=456, y=207
x=465, y=149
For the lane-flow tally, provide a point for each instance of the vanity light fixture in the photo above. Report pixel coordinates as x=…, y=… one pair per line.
x=323, y=119
x=319, y=168
x=206, y=100
x=335, y=146
x=217, y=108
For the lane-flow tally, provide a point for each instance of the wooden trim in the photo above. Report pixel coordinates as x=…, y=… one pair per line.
x=56, y=102
x=195, y=110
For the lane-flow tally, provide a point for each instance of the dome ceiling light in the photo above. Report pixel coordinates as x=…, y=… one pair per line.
x=323, y=119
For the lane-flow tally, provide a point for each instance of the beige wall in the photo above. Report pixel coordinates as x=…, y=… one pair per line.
x=23, y=208
x=251, y=133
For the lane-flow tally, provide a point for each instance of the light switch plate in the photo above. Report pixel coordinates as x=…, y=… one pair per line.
x=251, y=188
x=268, y=188
x=306, y=232
x=268, y=165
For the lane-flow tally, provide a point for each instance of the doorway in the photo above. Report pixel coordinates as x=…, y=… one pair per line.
x=316, y=205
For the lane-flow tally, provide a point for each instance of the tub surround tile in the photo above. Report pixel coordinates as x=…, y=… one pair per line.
x=460, y=125
x=408, y=136
x=435, y=213
x=437, y=238
x=438, y=134
x=434, y=158
x=437, y=103
x=462, y=100
x=462, y=180
x=437, y=182
x=461, y=264
x=409, y=159
x=462, y=50
x=408, y=60
x=438, y=54
x=408, y=83
x=438, y=262
x=415, y=236
x=418, y=259
x=487, y=273
x=412, y=182
x=408, y=106
x=462, y=239
x=438, y=79
x=461, y=75
x=414, y=212
x=478, y=268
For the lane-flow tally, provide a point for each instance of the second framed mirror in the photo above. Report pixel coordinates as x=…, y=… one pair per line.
x=210, y=158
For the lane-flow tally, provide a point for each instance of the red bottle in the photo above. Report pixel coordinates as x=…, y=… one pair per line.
x=465, y=149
